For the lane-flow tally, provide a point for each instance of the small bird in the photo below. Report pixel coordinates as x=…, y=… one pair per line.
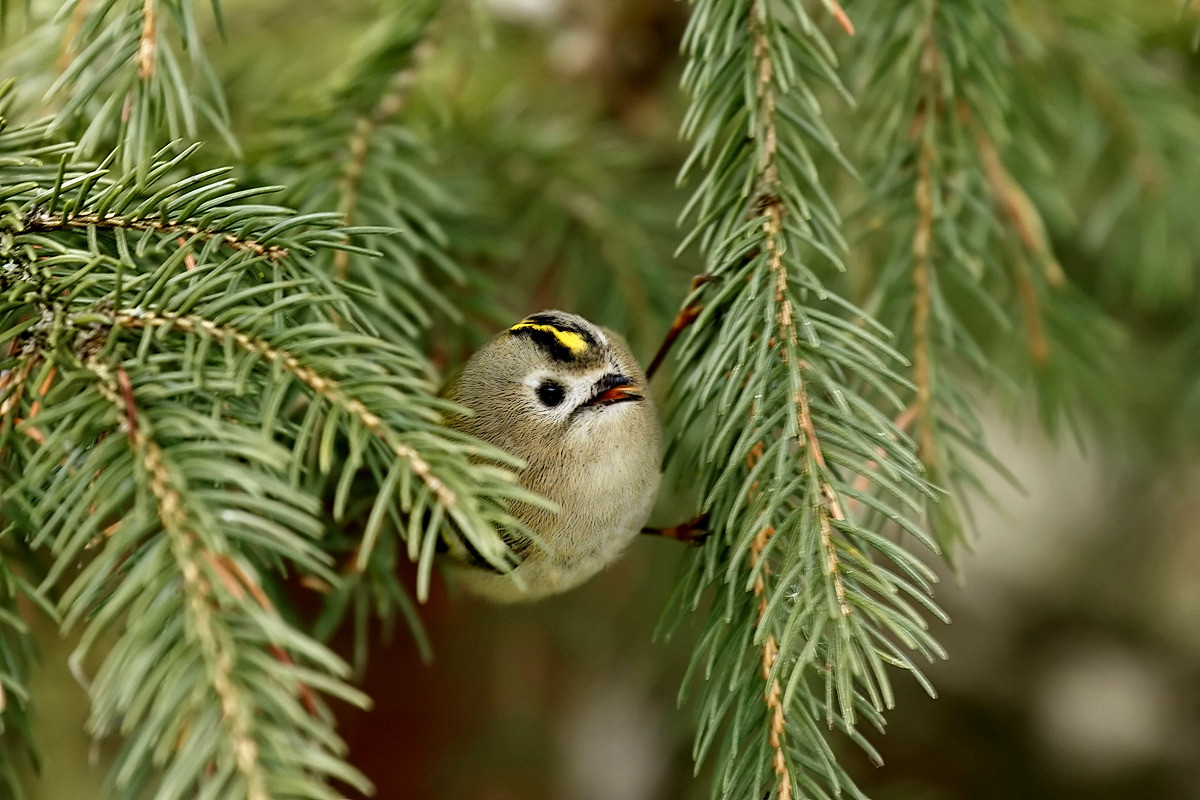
x=569, y=399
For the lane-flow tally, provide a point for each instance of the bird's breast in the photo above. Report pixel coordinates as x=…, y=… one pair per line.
x=605, y=497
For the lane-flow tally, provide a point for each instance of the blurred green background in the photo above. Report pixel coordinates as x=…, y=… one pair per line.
x=1074, y=667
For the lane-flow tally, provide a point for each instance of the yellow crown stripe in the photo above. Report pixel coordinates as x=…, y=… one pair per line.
x=568, y=339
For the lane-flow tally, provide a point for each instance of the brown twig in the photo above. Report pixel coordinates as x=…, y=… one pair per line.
x=1022, y=215
x=1027, y=224
x=391, y=104
x=686, y=316
x=173, y=515
x=694, y=531
x=769, y=652
x=772, y=225
x=1031, y=312
x=148, y=42
x=127, y=395
x=830, y=504
x=44, y=221
x=922, y=132
x=771, y=212
x=922, y=357
x=785, y=320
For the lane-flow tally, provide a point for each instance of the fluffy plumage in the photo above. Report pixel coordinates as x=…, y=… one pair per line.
x=568, y=398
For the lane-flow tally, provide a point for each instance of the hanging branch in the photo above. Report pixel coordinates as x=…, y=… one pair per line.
x=1118, y=205
x=355, y=156
x=918, y=181
x=181, y=418
x=963, y=237
x=1130, y=187
x=217, y=649
x=126, y=83
x=780, y=379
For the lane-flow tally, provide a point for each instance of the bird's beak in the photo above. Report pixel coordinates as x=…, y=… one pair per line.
x=614, y=389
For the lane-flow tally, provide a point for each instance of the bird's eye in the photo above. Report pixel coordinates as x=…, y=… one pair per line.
x=550, y=393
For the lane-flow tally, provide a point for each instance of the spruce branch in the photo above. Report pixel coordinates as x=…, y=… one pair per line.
x=962, y=232
x=773, y=365
x=236, y=714
x=206, y=710
x=771, y=211
x=41, y=221
x=356, y=157
x=320, y=384
x=124, y=82
x=190, y=403
x=365, y=128
x=1119, y=203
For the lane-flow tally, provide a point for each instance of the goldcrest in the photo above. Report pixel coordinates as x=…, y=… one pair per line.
x=569, y=399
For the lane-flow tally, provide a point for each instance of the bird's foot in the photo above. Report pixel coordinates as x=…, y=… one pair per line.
x=694, y=532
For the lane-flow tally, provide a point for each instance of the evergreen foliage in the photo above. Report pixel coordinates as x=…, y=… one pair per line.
x=184, y=384
x=350, y=156
x=783, y=372
x=217, y=365
x=125, y=80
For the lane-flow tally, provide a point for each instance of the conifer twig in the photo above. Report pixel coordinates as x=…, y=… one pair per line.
x=389, y=106
x=1031, y=312
x=777, y=346
x=40, y=220
x=922, y=241
x=148, y=41
x=769, y=652
x=771, y=210
x=686, y=316
x=173, y=515
x=327, y=387
x=1022, y=215
x=1027, y=224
